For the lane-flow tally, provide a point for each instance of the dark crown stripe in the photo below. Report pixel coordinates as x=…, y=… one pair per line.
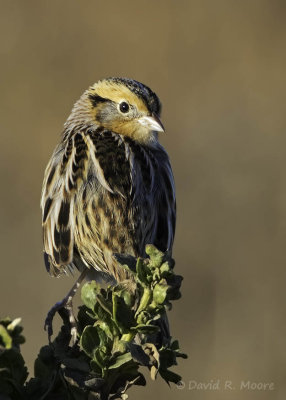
x=95, y=99
x=143, y=92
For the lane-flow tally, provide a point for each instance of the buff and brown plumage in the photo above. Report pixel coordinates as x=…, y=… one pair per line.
x=108, y=187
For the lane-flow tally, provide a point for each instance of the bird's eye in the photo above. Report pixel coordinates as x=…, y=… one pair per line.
x=124, y=107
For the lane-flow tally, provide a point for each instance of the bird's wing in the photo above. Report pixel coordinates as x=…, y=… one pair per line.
x=79, y=168
x=57, y=203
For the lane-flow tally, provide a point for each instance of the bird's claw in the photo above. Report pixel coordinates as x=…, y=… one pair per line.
x=65, y=310
x=49, y=321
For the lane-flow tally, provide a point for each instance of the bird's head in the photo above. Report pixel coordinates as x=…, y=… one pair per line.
x=124, y=106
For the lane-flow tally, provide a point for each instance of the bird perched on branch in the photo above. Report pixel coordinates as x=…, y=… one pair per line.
x=108, y=187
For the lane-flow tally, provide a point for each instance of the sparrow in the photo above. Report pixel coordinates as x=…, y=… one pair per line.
x=108, y=187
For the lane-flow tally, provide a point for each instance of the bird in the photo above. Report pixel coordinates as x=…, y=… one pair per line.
x=108, y=187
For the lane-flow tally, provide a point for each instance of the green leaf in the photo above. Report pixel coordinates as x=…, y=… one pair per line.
x=89, y=293
x=146, y=329
x=101, y=357
x=123, y=315
x=170, y=376
x=142, y=272
x=105, y=306
x=45, y=363
x=89, y=340
x=13, y=363
x=106, y=329
x=167, y=358
x=165, y=269
x=139, y=355
x=156, y=256
x=105, y=340
x=128, y=298
x=160, y=293
x=182, y=355
x=120, y=360
x=143, y=318
x=175, y=345
x=5, y=338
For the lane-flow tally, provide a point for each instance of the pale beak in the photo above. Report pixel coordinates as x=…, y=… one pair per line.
x=152, y=123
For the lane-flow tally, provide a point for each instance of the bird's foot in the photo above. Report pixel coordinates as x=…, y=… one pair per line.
x=65, y=310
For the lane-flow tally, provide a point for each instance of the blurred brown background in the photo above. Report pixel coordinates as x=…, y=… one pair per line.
x=219, y=69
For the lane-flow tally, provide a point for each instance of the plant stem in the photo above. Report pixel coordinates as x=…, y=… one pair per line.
x=144, y=301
